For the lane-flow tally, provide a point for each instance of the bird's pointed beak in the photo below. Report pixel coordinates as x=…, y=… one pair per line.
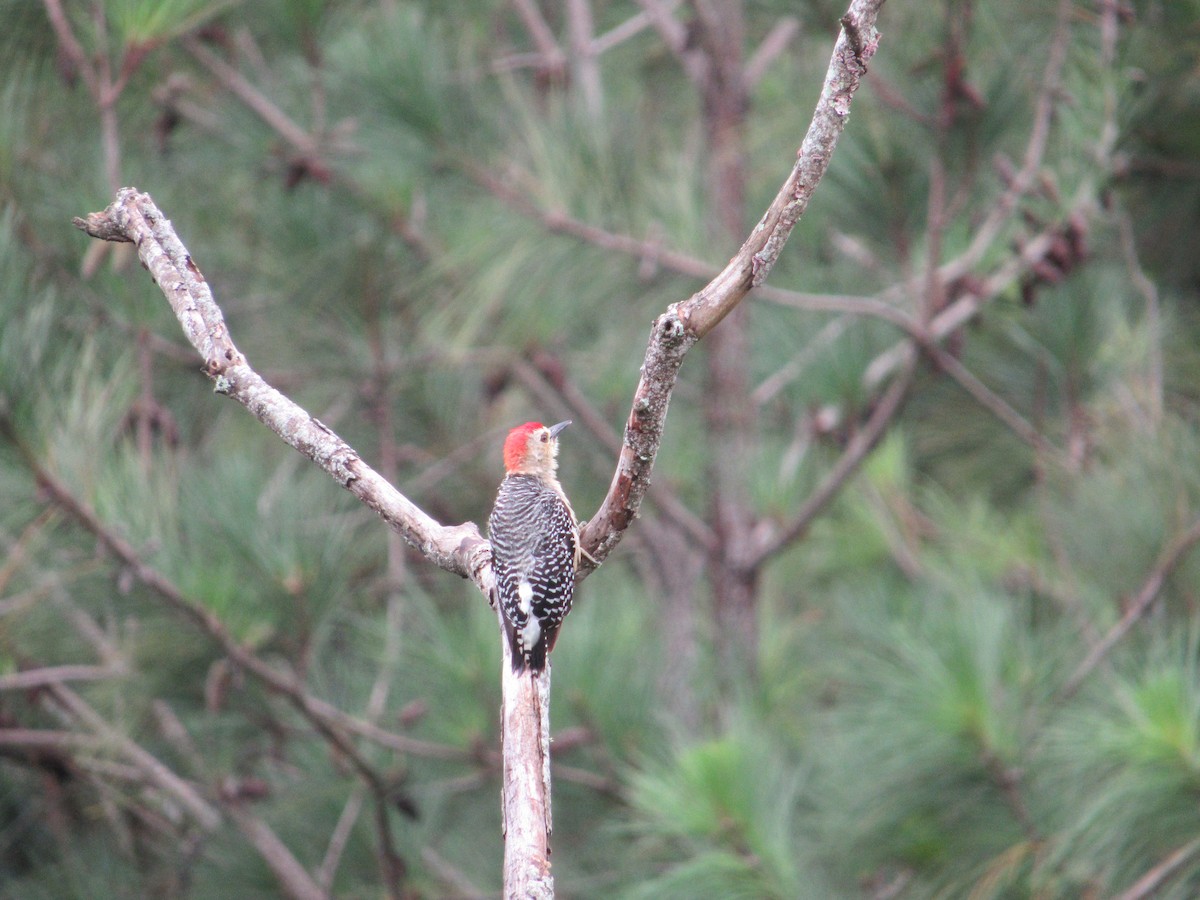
x=555, y=429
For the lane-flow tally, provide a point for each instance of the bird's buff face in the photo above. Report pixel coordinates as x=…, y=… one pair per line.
x=532, y=449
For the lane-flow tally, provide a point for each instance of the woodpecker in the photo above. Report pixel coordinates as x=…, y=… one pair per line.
x=535, y=544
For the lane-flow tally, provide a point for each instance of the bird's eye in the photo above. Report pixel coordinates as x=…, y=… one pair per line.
x=545, y=437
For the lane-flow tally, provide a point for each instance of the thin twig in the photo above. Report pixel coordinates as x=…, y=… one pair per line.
x=632, y=26
x=71, y=47
x=459, y=885
x=554, y=61
x=317, y=711
x=771, y=46
x=560, y=222
x=158, y=773
x=1148, y=884
x=863, y=307
x=339, y=837
x=881, y=306
x=990, y=400
x=1048, y=99
x=106, y=102
x=49, y=675
x=17, y=550
x=800, y=361
x=584, y=67
x=325, y=718
x=293, y=877
x=965, y=308
x=671, y=31
x=254, y=99
x=1149, y=291
x=859, y=446
x=999, y=215
x=45, y=739
x=96, y=72
x=1171, y=556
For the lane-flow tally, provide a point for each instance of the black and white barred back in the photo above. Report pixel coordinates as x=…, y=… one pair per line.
x=534, y=555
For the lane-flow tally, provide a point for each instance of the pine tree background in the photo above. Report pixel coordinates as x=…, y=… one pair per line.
x=973, y=672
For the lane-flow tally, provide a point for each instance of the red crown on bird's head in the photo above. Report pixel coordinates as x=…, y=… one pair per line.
x=516, y=443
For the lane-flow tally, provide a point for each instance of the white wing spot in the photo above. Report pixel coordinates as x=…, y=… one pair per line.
x=525, y=595
x=530, y=633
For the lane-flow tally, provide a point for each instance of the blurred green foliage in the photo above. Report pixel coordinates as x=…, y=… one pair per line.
x=907, y=730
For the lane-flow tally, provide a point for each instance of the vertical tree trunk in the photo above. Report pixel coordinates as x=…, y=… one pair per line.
x=729, y=416
x=673, y=574
x=525, y=790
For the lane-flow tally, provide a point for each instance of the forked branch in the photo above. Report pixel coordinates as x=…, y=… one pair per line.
x=461, y=549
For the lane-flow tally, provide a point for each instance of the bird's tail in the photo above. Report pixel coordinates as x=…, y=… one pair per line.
x=533, y=658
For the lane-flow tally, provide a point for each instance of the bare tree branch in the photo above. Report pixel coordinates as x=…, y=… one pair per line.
x=17, y=551
x=1000, y=214
x=1047, y=102
x=96, y=72
x=650, y=250
x=309, y=149
x=326, y=719
x=959, y=312
x=45, y=739
x=292, y=876
x=340, y=837
x=134, y=217
x=672, y=32
x=460, y=549
x=525, y=797
x=1149, y=291
x=683, y=324
x=457, y=883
